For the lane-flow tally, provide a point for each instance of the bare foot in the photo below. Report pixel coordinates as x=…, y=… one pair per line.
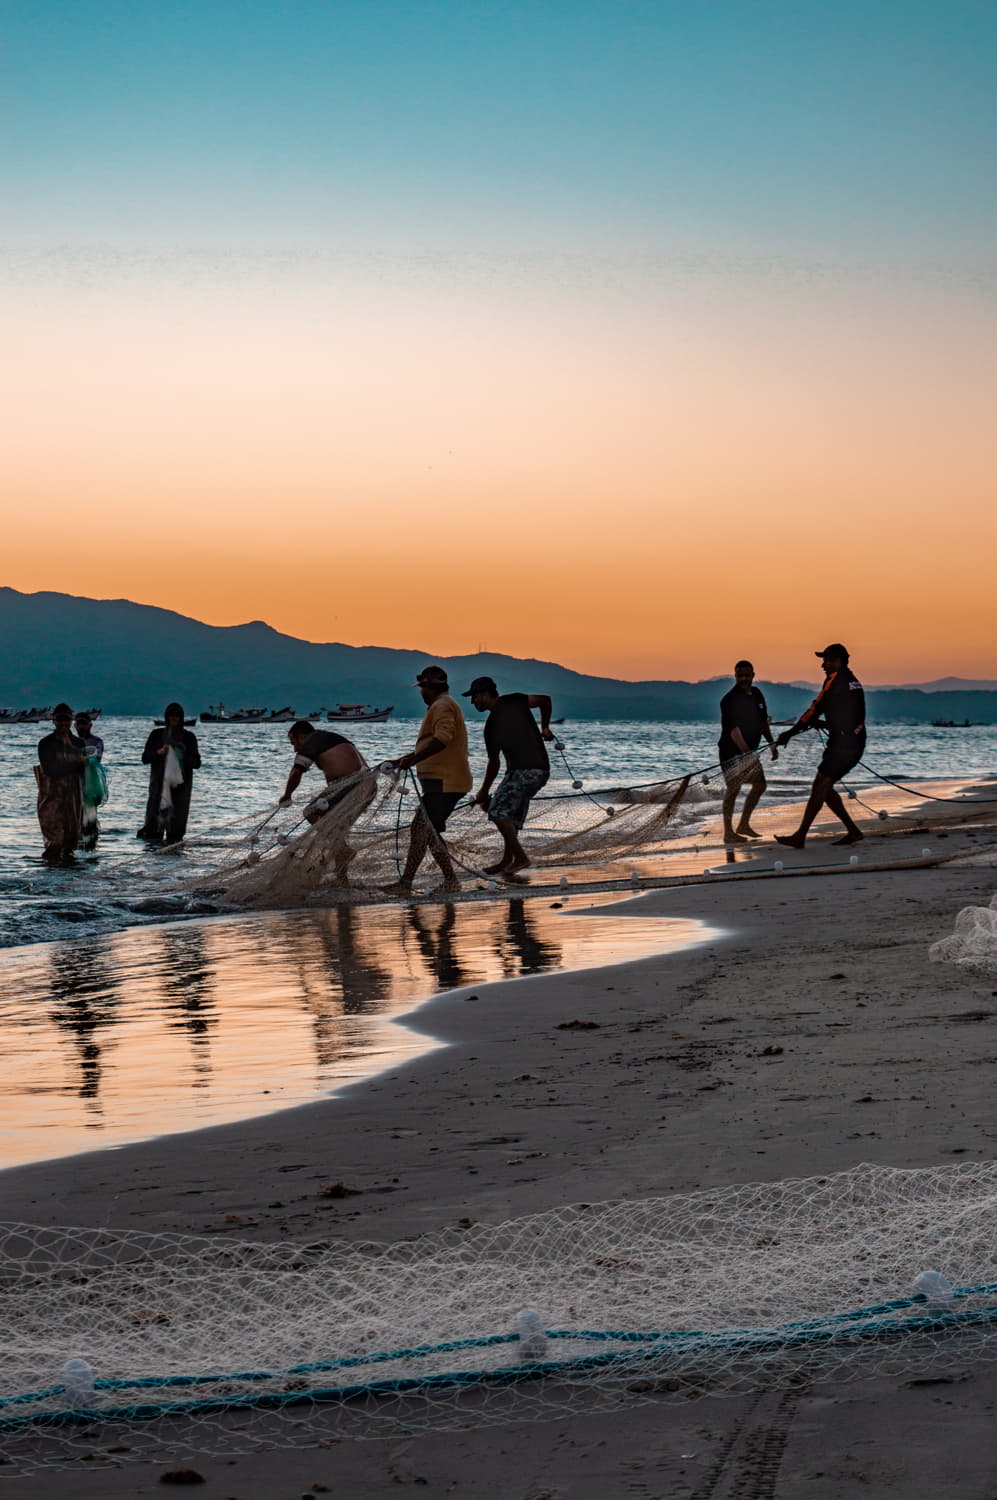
x=791, y=840
x=750, y=833
x=511, y=877
x=397, y=888
x=516, y=864
x=495, y=869
x=850, y=838
x=734, y=838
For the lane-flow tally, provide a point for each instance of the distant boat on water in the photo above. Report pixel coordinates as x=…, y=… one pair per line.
x=21, y=715
x=216, y=713
x=354, y=713
x=36, y=715
x=950, y=724
x=358, y=713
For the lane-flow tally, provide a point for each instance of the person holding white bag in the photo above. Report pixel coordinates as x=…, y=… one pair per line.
x=172, y=756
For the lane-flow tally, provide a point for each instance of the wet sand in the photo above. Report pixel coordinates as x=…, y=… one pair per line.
x=814, y=1035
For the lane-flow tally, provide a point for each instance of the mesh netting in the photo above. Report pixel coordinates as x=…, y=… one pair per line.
x=137, y=1343
x=356, y=836
x=973, y=944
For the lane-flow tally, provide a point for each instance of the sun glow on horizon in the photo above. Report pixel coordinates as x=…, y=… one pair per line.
x=672, y=362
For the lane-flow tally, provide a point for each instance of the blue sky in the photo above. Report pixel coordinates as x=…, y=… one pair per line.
x=822, y=128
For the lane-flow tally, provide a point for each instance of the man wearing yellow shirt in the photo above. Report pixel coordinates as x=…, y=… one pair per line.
x=444, y=777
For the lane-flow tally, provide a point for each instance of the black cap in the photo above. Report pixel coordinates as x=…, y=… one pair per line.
x=481, y=685
x=432, y=677
x=835, y=649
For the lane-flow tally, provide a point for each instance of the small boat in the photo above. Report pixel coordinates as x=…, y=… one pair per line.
x=950, y=724
x=24, y=715
x=358, y=713
x=215, y=714
x=282, y=716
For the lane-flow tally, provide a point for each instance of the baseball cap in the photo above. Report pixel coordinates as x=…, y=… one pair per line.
x=835, y=649
x=432, y=674
x=480, y=685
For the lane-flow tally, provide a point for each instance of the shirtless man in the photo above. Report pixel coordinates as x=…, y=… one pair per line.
x=339, y=760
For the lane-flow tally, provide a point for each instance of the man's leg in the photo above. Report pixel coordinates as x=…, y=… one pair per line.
x=822, y=787
x=730, y=797
x=514, y=856
x=755, y=790
x=507, y=811
x=853, y=834
x=441, y=854
x=418, y=843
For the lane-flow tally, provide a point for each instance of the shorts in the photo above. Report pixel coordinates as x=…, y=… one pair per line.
x=436, y=803
x=744, y=768
x=838, y=760
x=515, y=792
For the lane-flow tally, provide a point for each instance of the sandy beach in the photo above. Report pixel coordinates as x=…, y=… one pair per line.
x=811, y=1035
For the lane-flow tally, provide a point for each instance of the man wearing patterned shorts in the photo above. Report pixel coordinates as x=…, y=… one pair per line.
x=511, y=731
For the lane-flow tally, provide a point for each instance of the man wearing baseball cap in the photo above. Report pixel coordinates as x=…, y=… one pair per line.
x=839, y=708
x=444, y=777
x=511, y=731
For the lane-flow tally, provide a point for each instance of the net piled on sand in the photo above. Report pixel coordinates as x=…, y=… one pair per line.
x=137, y=1343
x=973, y=944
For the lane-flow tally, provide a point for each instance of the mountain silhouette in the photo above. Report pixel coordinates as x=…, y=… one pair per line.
x=133, y=658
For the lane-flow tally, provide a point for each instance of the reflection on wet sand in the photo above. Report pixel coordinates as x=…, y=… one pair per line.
x=82, y=1004
x=171, y=1028
x=188, y=997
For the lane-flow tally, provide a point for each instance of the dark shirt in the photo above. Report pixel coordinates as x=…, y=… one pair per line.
x=839, y=708
x=746, y=712
x=512, y=729
x=182, y=741
x=316, y=744
x=58, y=759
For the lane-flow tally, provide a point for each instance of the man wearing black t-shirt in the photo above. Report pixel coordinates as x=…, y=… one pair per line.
x=744, y=721
x=839, y=708
x=341, y=763
x=511, y=731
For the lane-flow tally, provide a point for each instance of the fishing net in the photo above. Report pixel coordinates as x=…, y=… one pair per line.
x=973, y=944
x=137, y=1344
x=355, y=836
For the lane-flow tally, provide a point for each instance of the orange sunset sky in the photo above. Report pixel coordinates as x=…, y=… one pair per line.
x=642, y=361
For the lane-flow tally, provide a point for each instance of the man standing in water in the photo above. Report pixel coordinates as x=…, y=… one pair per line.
x=839, y=708
x=62, y=757
x=744, y=721
x=172, y=755
x=444, y=777
x=341, y=763
x=511, y=730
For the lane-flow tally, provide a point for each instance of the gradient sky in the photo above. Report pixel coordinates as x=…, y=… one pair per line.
x=637, y=336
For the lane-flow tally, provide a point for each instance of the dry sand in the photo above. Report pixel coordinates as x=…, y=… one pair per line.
x=812, y=1035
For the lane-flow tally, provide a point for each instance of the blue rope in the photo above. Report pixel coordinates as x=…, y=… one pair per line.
x=872, y=1323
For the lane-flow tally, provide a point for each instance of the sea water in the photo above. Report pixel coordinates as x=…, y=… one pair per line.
x=245, y=768
x=114, y=1034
